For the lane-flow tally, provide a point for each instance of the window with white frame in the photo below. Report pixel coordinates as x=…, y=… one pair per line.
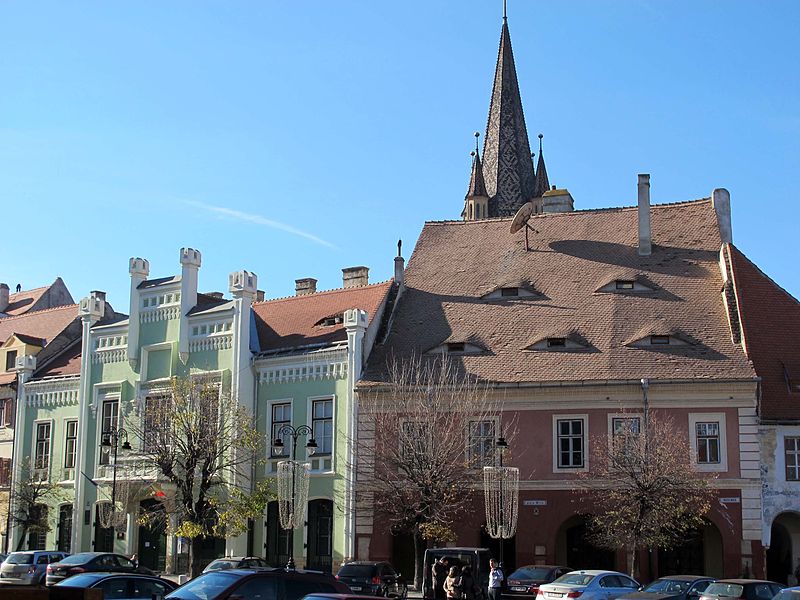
x=281, y=415
x=708, y=442
x=70, y=443
x=5, y=413
x=570, y=443
x=41, y=458
x=480, y=447
x=791, y=447
x=322, y=425
x=108, y=422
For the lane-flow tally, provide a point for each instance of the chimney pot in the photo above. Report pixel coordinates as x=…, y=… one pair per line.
x=645, y=235
x=355, y=276
x=259, y=295
x=305, y=286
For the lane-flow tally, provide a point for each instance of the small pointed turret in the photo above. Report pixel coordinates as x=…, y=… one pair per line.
x=476, y=202
x=542, y=182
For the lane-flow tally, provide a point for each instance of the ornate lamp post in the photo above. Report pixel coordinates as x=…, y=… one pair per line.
x=111, y=438
x=293, y=483
x=501, y=494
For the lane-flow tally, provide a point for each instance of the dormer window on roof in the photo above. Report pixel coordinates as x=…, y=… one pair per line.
x=557, y=342
x=571, y=341
x=466, y=347
x=672, y=339
x=510, y=292
x=330, y=321
x=659, y=340
x=627, y=283
x=455, y=347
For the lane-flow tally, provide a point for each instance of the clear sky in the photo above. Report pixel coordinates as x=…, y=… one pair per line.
x=295, y=138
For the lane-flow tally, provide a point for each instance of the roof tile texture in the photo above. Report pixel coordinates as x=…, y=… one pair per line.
x=45, y=324
x=292, y=322
x=572, y=255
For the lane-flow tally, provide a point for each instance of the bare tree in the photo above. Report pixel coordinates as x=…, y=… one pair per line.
x=423, y=438
x=644, y=489
x=203, y=443
x=30, y=496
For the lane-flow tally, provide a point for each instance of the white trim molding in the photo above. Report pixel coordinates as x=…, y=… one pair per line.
x=585, y=446
x=694, y=419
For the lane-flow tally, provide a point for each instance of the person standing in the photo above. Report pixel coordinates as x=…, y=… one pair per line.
x=438, y=576
x=469, y=588
x=452, y=585
x=496, y=578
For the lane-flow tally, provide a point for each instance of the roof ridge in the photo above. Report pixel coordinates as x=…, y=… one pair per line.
x=37, y=312
x=757, y=268
x=323, y=292
x=36, y=289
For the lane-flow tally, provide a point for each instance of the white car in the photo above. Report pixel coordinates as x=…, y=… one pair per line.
x=588, y=585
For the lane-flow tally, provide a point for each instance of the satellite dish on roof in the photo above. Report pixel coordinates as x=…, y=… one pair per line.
x=521, y=219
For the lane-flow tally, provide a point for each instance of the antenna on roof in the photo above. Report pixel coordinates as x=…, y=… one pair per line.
x=521, y=219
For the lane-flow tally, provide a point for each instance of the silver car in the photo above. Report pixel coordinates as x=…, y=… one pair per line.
x=27, y=568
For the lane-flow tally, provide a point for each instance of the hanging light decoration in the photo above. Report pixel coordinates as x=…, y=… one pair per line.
x=292, y=493
x=501, y=492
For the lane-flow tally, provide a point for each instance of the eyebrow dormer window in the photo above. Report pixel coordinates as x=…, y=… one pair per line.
x=455, y=347
x=331, y=320
x=659, y=340
x=624, y=284
x=559, y=342
x=507, y=292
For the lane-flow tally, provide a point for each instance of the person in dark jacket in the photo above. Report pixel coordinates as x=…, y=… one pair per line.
x=439, y=572
x=469, y=587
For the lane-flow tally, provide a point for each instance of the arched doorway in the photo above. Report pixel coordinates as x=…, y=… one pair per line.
x=575, y=549
x=783, y=554
x=320, y=535
x=700, y=554
x=152, y=547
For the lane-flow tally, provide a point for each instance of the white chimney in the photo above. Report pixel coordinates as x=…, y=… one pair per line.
x=305, y=286
x=355, y=276
x=4, y=297
x=721, y=201
x=645, y=236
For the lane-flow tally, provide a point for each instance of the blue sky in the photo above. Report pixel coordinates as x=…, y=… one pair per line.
x=296, y=138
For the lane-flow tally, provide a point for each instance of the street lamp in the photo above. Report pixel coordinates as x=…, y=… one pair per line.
x=111, y=439
x=292, y=482
x=501, y=494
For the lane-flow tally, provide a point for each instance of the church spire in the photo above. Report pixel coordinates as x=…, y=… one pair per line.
x=542, y=182
x=476, y=202
x=507, y=163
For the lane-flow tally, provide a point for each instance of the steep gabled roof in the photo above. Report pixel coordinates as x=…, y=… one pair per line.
x=454, y=261
x=770, y=321
x=48, y=296
x=44, y=324
x=297, y=321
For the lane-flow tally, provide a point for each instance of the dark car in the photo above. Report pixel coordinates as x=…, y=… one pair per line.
x=87, y=562
x=258, y=584
x=235, y=562
x=742, y=589
x=674, y=587
x=525, y=581
x=121, y=586
x=373, y=579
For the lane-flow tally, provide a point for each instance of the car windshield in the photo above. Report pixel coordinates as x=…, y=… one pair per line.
x=575, y=579
x=220, y=564
x=81, y=580
x=356, y=571
x=668, y=586
x=77, y=559
x=728, y=590
x=537, y=573
x=204, y=587
x=20, y=558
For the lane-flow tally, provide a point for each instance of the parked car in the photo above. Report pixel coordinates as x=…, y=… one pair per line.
x=477, y=558
x=589, y=585
x=3, y=556
x=789, y=593
x=525, y=581
x=27, y=568
x=373, y=579
x=674, y=587
x=121, y=586
x=235, y=562
x=745, y=589
x=333, y=597
x=87, y=562
x=272, y=584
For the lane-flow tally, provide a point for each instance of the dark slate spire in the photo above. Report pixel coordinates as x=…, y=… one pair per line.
x=542, y=183
x=507, y=163
x=477, y=185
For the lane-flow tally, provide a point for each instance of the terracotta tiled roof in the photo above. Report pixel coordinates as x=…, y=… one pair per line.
x=21, y=302
x=45, y=324
x=770, y=319
x=67, y=362
x=455, y=262
x=294, y=321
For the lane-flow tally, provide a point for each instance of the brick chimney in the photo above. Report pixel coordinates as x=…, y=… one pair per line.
x=4, y=297
x=305, y=286
x=355, y=277
x=645, y=235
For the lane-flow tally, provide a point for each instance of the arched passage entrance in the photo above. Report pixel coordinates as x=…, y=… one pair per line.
x=700, y=554
x=575, y=550
x=783, y=554
x=320, y=535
